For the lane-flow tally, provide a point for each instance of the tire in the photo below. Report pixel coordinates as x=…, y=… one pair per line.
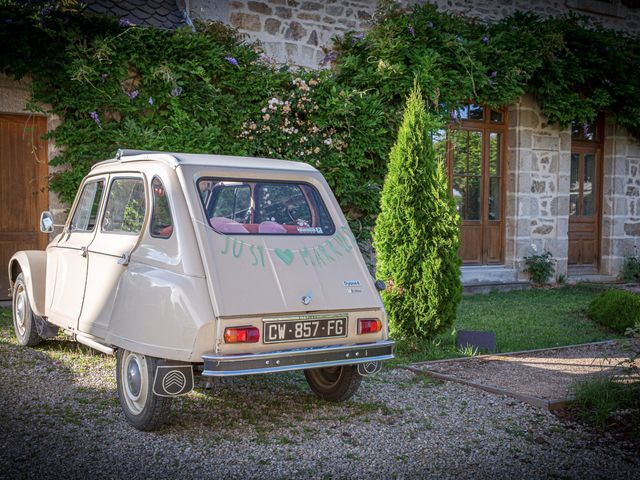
x=335, y=384
x=24, y=321
x=142, y=408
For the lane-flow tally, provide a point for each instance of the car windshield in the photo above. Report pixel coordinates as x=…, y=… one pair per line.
x=264, y=207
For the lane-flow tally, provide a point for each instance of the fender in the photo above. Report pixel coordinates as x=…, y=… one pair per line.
x=33, y=265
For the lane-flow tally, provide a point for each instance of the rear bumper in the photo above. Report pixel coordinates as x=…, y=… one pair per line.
x=299, y=359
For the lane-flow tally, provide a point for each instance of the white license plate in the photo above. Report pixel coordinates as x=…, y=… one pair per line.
x=276, y=331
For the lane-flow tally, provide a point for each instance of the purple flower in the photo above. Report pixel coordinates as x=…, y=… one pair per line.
x=8, y=20
x=485, y=40
x=357, y=37
x=430, y=24
x=329, y=57
x=150, y=100
x=176, y=91
x=412, y=30
x=104, y=76
x=454, y=115
x=494, y=74
x=96, y=118
x=125, y=22
x=132, y=94
x=232, y=61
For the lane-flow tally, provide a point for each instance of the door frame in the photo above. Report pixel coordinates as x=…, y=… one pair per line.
x=596, y=150
x=595, y=146
x=486, y=126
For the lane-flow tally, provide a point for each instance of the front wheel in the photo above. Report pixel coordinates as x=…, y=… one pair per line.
x=134, y=376
x=24, y=320
x=334, y=384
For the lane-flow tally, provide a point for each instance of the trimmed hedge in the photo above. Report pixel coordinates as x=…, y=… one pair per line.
x=616, y=309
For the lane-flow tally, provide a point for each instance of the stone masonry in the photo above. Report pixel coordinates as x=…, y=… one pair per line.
x=621, y=202
x=291, y=31
x=539, y=160
x=298, y=32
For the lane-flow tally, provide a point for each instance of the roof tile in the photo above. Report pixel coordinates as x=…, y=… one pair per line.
x=155, y=13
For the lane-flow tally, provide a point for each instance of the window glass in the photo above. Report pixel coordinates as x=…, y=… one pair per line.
x=574, y=191
x=495, y=142
x=467, y=175
x=496, y=116
x=233, y=201
x=264, y=207
x=476, y=112
x=589, y=185
x=125, y=208
x=161, y=219
x=86, y=214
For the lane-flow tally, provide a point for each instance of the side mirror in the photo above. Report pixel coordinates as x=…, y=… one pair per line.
x=46, y=222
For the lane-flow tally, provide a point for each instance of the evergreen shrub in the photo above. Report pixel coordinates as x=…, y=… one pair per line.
x=616, y=309
x=417, y=232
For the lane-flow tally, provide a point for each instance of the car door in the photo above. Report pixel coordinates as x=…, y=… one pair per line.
x=120, y=228
x=67, y=260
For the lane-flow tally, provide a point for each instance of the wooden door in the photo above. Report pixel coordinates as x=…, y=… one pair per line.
x=584, y=207
x=476, y=164
x=23, y=188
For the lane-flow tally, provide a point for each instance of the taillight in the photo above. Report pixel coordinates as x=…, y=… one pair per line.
x=241, y=335
x=369, y=325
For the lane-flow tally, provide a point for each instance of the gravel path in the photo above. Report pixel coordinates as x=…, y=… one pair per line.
x=60, y=418
x=547, y=374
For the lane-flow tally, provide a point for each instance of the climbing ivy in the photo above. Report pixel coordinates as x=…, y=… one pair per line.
x=118, y=85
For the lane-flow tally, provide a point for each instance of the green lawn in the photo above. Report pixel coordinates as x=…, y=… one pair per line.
x=522, y=320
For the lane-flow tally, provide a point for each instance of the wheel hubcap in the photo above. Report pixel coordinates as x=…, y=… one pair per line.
x=133, y=378
x=135, y=381
x=20, y=311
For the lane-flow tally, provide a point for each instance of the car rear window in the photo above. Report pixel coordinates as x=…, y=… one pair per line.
x=264, y=207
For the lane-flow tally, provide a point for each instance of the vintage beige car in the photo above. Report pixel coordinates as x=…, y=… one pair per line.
x=185, y=264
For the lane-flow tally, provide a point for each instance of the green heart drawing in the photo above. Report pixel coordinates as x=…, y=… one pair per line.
x=285, y=255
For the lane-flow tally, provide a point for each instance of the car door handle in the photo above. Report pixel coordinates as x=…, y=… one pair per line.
x=124, y=259
x=83, y=251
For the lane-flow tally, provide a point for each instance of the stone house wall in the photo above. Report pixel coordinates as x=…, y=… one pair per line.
x=291, y=31
x=297, y=31
x=538, y=168
x=621, y=199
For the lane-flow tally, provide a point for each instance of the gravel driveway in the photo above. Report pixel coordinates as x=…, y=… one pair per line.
x=60, y=418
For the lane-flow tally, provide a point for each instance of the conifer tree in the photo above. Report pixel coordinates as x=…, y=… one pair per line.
x=417, y=232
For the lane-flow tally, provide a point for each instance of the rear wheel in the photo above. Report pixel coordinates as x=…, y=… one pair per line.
x=335, y=384
x=134, y=375
x=24, y=321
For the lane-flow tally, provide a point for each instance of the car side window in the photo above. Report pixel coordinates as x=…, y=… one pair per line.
x=125, y=209
x=161, y=219
x=86, y=215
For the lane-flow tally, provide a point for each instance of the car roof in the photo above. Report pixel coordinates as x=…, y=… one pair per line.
x=175, y=159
